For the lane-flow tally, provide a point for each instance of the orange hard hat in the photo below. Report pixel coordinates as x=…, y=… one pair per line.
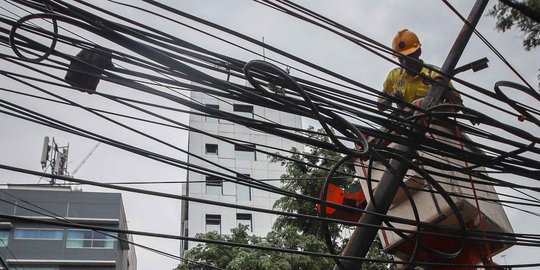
x=406, y=42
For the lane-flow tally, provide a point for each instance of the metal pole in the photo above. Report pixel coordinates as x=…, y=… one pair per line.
x=362, y=237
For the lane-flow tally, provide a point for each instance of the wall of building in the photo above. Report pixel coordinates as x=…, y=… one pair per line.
x=62, y=248
x=195, y=214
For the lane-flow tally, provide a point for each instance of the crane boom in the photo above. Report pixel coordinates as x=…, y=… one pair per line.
x=85, y=159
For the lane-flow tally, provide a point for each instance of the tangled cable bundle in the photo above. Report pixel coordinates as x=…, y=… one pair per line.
x=150, y=62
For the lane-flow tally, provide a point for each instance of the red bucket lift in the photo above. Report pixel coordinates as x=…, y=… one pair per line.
x=476, y=206
x=351, y=196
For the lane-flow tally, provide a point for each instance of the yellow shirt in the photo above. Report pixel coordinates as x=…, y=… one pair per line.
x=412, y=87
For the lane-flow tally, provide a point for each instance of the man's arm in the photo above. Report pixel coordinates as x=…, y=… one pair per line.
x=452, y=96
x=385, y=103
x=388, y=88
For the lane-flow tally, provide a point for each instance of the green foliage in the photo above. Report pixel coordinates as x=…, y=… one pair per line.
x=237, y=258
x=376, y=252
x=508, y=17
x=305, y=174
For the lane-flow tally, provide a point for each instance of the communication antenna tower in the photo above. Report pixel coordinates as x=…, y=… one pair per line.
x=55, y=158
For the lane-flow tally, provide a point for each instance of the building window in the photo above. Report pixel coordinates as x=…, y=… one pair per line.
x=214, y=185
x=4, y=237
x=244, y=219
x=245, y=152
x=33, y=267
x=243, y=193
x=210, y=119
x=211, y=149
x=243, y=110
x=89, y=239
x=39, y=234
x=213, y=223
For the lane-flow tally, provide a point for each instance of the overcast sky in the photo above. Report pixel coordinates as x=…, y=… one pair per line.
x=434, y=23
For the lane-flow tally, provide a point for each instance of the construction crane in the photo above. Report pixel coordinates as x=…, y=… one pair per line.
x=85, y=159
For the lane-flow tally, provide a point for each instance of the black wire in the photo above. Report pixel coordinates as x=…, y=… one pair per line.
x=174, y=122
x=322, y=212
x=263, y=186
x=4, y=264
x=488, y=44
x=507, y=163
x=450, y=230
x=297, y=161
x=232, y=244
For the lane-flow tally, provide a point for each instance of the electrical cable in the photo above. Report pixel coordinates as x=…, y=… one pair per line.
x=308, y=253
x=450, y=230
x=488, y=44
x=318, y=103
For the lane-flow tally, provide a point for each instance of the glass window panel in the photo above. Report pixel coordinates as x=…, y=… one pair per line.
x=98, y=235
x=74, y=243
x=243, y=110
x=4, y=237
x=72, y=234
x=213, y=223
x=87, y=243
x=214, y=185
x=243, y=193
x=26, y=234
x=90, y=239
x=211, y=119
x=99, y=244
x=109, y=244
x=244, y=152
x=33, y=267
x=105, y=235
x=241, y=155
x=213, y=228
x=213, y=190
x=211, y=149
x=39, y=234
x=51, y=234
x=244, y=219
x=88, y=234
x=244, y=114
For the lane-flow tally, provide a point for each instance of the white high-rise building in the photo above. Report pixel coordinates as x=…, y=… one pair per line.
x=201, y=218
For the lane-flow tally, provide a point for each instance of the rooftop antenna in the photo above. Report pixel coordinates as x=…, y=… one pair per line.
x=54, y=157
x=45, y=152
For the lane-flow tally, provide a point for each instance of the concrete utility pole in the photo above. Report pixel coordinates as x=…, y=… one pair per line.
x=363, y=236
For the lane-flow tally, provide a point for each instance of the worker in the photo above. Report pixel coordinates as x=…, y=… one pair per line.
x=406, y=84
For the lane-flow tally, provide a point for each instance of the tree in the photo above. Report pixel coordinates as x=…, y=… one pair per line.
x=524, y=15
x=304, y=175
x=239, y=258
